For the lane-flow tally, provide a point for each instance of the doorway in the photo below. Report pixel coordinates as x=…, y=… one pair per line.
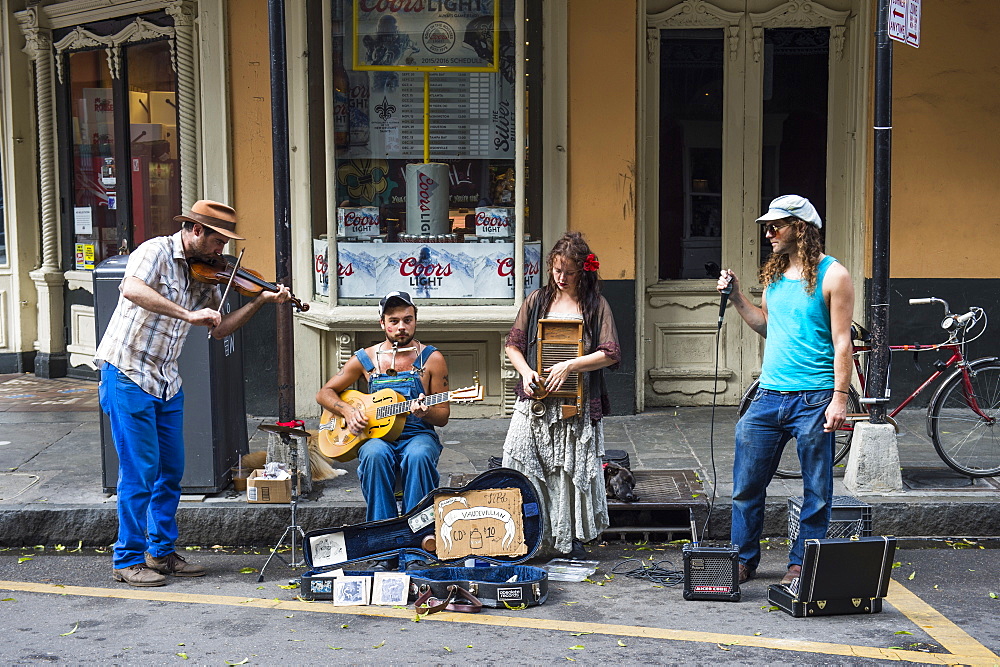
x=739, y=107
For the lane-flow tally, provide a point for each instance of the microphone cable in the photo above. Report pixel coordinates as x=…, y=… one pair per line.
x=725, y=292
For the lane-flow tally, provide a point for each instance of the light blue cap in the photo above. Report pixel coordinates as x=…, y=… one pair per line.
x=792, y=206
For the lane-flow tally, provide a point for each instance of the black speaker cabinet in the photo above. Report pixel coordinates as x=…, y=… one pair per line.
x=839, y=576
x=711, y=572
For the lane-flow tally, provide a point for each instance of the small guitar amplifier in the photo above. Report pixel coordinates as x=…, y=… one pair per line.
x=711, y=573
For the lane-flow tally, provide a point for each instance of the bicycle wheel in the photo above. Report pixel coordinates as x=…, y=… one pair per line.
x=965, y=440
x=788, y=467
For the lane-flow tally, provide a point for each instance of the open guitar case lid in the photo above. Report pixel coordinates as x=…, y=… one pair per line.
x=839, y=576
x=506, y=583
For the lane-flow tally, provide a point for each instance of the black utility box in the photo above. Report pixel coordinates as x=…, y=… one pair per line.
x=838, y=577
x=215, y=420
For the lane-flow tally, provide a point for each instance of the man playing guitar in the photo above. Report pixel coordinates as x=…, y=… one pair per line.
x=405, y=365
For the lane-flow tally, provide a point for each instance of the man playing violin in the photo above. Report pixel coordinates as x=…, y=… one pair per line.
x=413, y=369
x=140, y=387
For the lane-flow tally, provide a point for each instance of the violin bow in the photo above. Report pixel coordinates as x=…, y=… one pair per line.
x=232, y=276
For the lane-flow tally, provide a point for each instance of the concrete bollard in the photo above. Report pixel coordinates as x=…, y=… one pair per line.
x=873, y=462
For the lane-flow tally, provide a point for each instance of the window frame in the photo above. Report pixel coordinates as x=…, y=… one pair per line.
x=527, y=195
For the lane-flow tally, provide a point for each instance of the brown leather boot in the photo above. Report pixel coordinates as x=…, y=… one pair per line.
x=173, y=564
x=746, y=574
x=139, y=575
x=793, y=573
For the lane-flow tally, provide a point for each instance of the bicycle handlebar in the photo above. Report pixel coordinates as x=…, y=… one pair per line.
x=925, y=301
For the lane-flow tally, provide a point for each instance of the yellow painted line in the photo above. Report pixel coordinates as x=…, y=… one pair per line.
x=940, y=628
x=973, y=652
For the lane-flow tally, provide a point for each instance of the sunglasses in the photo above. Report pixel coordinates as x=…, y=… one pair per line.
x=773, y=229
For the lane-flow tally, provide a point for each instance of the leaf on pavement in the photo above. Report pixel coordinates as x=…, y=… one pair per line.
x=621, y=643
x=289, y=586
x=724, y=648
x=247, y=570
x=902, y=632
x=380, y=644
x=446, y=649
x=572, y=602
x=23, y=559
x=335, y=648
x=897, y=564
x=578, y=647
x=183, y=656
x=992, y=595
x=580, y=634
x=67, y=634
x=513, y=608
x=912, y=574
x=241, y=662
x=13, y=600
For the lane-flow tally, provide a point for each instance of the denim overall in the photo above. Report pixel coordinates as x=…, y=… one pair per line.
x=414, y=454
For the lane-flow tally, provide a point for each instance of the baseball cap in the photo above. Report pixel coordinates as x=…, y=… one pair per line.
x=394, y=296
x=792, y=206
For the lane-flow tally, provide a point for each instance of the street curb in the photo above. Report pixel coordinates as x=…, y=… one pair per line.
x=240, y=524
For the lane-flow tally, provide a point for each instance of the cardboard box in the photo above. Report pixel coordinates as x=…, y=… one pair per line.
x=260, y=490
x=479, y=523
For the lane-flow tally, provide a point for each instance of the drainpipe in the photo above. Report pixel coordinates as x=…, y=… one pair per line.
x=282, y=205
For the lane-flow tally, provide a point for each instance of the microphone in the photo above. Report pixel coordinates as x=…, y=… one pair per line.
x=725, y=292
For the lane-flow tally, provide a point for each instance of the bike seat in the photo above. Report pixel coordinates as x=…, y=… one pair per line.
x=859, y=333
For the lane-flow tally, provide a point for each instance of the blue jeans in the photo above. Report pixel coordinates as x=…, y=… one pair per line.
x=416, y=460
x=149, y=437
x=773, y=419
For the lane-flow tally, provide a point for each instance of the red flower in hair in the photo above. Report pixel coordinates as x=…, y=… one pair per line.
x=591, y=263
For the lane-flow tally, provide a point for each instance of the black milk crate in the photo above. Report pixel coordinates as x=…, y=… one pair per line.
x=849, y=517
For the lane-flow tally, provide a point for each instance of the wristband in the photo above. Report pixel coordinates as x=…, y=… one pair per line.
x=841, y=391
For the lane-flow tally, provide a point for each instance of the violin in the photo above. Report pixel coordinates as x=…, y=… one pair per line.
x=247, y=282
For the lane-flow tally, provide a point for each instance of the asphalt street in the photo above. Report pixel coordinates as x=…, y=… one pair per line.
x=61, y=606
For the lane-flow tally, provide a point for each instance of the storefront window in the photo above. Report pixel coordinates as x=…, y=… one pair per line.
x=94, y=172
x=691, y=66
x=122, y=183
x=442, y=228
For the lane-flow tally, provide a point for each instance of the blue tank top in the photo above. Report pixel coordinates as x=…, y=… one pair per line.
x=798, y=355
x=407, y=383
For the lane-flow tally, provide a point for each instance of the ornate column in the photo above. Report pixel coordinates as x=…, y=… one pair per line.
x=183, y=13
x=48, y=278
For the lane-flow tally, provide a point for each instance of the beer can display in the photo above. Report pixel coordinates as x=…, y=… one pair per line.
x=427, y=199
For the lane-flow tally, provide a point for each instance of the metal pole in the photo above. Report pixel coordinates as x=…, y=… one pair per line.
x=282, y=206
x=878, y=295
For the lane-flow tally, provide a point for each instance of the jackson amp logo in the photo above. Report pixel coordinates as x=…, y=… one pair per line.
x=508, y=594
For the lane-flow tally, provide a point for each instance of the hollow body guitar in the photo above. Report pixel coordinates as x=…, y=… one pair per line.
x=386, y=411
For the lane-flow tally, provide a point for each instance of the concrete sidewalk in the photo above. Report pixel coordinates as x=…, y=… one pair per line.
x=50, y=475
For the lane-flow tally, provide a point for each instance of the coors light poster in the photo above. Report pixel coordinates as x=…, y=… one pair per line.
x=472, y=113
x=434, y=270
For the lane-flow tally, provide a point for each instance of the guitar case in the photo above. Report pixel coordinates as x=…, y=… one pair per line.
x=328, y=549
x=839, y=576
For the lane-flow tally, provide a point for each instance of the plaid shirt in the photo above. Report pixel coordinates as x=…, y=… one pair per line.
x=145, y=345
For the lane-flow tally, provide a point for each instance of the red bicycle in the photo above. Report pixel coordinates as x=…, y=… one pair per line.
x=962, y=414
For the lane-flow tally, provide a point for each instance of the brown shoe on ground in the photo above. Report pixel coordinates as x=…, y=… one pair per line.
x=793, y=573
x=173, y=564
x=139, y=575
x=746, y=574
